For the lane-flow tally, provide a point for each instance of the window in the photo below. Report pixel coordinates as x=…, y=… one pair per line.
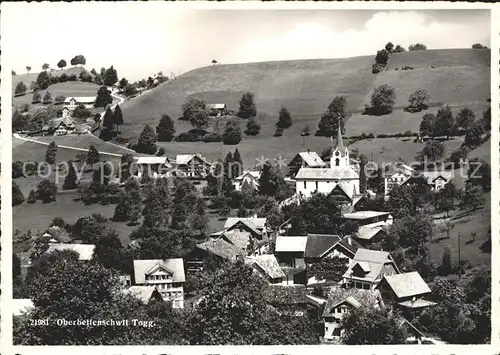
x=337, y=162
x=305, y=187
x=316, y=185
x=366, y=286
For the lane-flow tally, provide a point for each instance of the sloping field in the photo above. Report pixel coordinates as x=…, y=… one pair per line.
x=440, y=58
x=305, y=87
x=69, y=88
x=28, y=78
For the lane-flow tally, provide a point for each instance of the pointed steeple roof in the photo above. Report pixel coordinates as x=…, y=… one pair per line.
x=340, y=142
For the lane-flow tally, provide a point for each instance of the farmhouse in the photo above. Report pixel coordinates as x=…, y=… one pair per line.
x=406, y=290
x=319, y=246
x=290, y=251
x=217, y=109
x=396, y=176
x=305, y=160
x=267, y=267
x=437, y=179
x=372, y=225
x=166, y=275
x=153, y=166
x=85, y=251
x=255, y=226
x=145, y=294
x=57, y=234
x=340, y=178
x=192, y=165
x=367, y=269
x=247, y=181
x=73, y=102
x=218, y=248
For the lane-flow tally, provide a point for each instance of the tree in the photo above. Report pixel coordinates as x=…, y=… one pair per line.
x=198, y=220
x=473, y=135
x=118, y=117
x=108, y=121
x=237, y=164
x=32, y=197
x=130, y=90
x=70, y=181
x=81, y=112
x=363, y=160
x=382, y=57
x=45, y=66
x=433, y=150
x=253, y=127
x=382, y=100
x=93, y=156
x=285, y=119
x=103, y=98
x=278, y=132
x=271, y=181
x=363, y=326
x=165, y=129
x=61, y=64
x=465, y=118
x=147, y=141
x=46, y=191
x=486, y=119
x=411, y=231
x=428, y=125
x=43, y=80
x=446, y=267
x=389, y=47
x=195, y=111
x=214, y=62
x=232, y=134
x=247, y=106
x=331, y=269
x=47, y=98
x=123, y=84
x=37, y=97
x=417, y=47
x=154, y=214
x=418, y=101
x=334, y=115
x=227, y=179
x=472, y=197
x=50, y=154
x=20, y=88
x=398, y=49
x=28, y=69
x=17, y=195
x=445, y=122
x=478, y=46
x=479, y=173
x=110, y=76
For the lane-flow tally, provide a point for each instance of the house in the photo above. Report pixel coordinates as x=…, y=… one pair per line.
x=290, y=300
x=166, y=275
x=255, y=226
x=396, y=176
x=217, y=109
x=305, y=160
x=85, y=251
x=73, y=102
x=247, y=181
x=289, y=251
x=267, y=267
x=239, y=238
x=367, y=269
x=56, y=234
x=220, y=248
x=192, y=165
x=66, y=113
x=154, y=166
x=59, y=127
x=340, y=178
x=372, y=225
x=319, y=246
x=407, y=290
x=341, y=302
x=437, y=179
x=145, y=294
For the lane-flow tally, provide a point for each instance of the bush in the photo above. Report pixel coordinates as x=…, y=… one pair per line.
x=63, y=78
x=376, y=68
x=278, y=132
x=188, y=137
x=37, y=97
x=253, y=127
x=382, y=57
x=59, y=99
x=72, y=78
x=212, y=137
x=161, y=152
x=17, y=169
x=382, y=100
x=232, y=134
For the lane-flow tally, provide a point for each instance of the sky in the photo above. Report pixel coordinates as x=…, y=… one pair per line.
x=141, y=40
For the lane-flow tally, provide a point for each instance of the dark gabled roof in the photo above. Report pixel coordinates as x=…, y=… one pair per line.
x=318, y=244
x=222, y=248
x=277, y=294
x=352, y=248
x=59, y=234
x=354, y=296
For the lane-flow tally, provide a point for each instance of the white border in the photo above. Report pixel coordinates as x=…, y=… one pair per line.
x=6, y=215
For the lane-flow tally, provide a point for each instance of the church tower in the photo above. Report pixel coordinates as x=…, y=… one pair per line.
x=340, y=153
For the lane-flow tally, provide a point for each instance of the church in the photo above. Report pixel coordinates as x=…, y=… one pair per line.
x=341, y=177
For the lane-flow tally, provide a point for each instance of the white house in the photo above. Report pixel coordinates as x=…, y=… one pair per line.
x=305, y=160
x=192, y=165
x=397, y=176
x=154, y=166
x=437, y=179
x=73, y=102
x=340, y=176
x=166, y=275
x=249, y=179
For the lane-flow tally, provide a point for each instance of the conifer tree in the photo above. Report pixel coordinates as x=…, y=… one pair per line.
x=70, y=180
x=237, y=166
x=118, y=117
x=108, y=120
x=247, y=106
x=165, y=129
x=50, y=155
x=147, y=141
x=285, y=119
x=93, y=156
x=227, y=182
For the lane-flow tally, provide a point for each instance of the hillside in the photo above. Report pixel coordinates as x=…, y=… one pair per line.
x=456, y=77
x=28, y=78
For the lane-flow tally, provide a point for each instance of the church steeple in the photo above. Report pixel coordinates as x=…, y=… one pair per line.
x=340, y=153
x=340, y=142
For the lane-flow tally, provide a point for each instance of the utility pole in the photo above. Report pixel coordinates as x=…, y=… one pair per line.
x=459, y=263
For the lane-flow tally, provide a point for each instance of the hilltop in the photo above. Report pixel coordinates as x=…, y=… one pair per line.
x=27, y=79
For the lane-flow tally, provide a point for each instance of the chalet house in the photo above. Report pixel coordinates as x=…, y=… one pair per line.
x=407, y=290
x=305, y=160
x=154, y=166
x=165, y=275
x=192, y=165
x=367, y=269
x=247, y=181
x=289, y=251
x=372, y=225
x=239, y=238
x=59, y=127
x=342, y=301
x=267, y=267
x=85, y=251
x=319, y=246
x=217, y=109
x=73, y=102
x=145, y=294
x=57, y=234
x=218, y=248
x=397, y=176
x=437, y=179
x=290, y=300
x=255, y=226
x=65, y=113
